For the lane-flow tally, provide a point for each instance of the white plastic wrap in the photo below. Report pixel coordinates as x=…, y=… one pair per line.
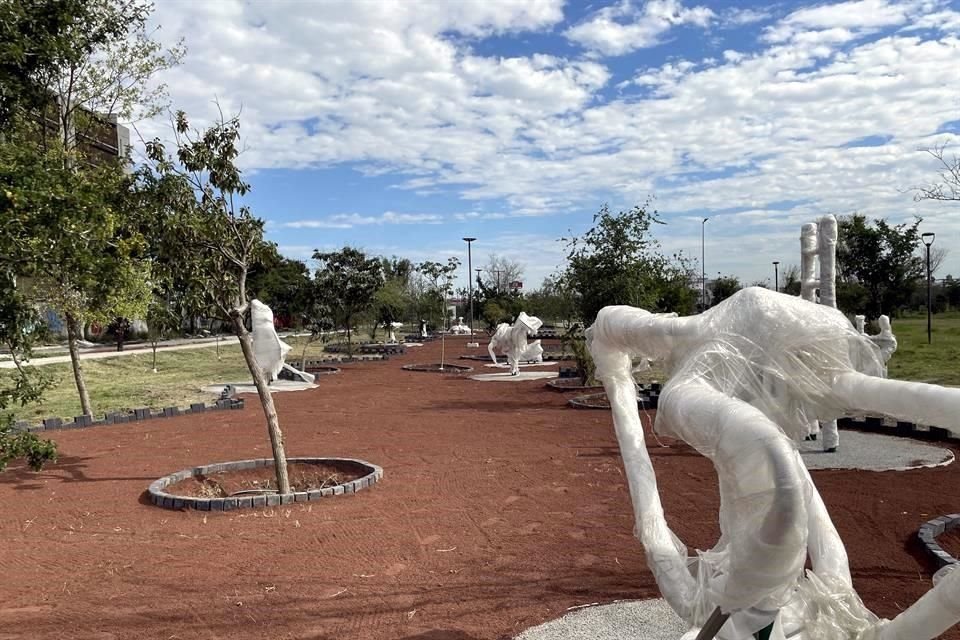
x=268, y=348
x=747, y=378
x=512, y=341
x=827, y=249
x=392, y=331
x=808, y=262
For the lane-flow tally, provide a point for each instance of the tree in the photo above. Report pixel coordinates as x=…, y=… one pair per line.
x=74, y=67
x=791, y=280
x=724, y=287
x=937, y=256
x=501, y=271
x=282, y=283
x=19, y=325
x=196, y=210
x=392, y=299
x=551, y=301
x=947, y=187
x=69, y=235
x=618, y=261
x=441, y=278
x=879, y=260
x=346, y=281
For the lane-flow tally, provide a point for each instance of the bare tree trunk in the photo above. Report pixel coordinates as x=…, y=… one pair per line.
x=303, y=354
x=266, y=401
x=153, y=343
x=349, y=339
x=73, y=329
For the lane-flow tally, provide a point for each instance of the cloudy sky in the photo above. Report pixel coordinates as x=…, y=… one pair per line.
x=401, y=127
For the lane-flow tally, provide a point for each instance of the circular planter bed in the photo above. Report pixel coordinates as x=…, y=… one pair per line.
x=945, y=526
x=572, y=384
x=242, y=484
x=322, y=370
x=600, y=401
x=435, y=367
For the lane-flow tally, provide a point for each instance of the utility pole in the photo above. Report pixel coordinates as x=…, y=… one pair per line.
x=469, y=280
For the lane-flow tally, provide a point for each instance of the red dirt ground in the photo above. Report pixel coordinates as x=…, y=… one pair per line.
x=499, y=509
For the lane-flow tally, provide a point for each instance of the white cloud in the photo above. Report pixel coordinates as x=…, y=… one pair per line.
x=350, y=220
x=854, y=16
x=740, y=17
x=624, y=27
x=405, y=93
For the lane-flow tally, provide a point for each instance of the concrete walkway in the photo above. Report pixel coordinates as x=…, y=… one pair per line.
x=100, y=355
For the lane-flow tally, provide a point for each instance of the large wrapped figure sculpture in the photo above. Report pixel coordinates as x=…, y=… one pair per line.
x=747, y=378
x=512, y=341
x=268, y=349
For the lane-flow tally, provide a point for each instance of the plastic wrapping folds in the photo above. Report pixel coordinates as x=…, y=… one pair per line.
x=746, y=378
x=268, y=348
x=512, y=340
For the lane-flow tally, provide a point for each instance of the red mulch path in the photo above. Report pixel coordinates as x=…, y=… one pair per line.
x=500, y=508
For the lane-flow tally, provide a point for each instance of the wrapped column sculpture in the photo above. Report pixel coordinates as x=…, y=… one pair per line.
x=818, y=248
x=748, y=376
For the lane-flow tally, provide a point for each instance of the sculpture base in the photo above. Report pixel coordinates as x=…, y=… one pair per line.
x=874, y=452
x=520, y=377
x=639, y=619
x=248, y=387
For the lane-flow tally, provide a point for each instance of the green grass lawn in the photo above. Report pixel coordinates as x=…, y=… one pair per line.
x=128, y=382
x=938, y=362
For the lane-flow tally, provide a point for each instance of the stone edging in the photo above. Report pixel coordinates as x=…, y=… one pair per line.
x=137, y=415
x=928, y=536
x=557, y=385
x=168, y=501
x=896, y=428
x=648, y=397
x=455, y=368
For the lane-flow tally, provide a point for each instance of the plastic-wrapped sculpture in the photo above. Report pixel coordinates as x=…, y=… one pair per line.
x=747, y=378
x=512, y=341
x=460, y=329
x=392, y=328
x=268, y=348
x=818, y=247
x=885, y=340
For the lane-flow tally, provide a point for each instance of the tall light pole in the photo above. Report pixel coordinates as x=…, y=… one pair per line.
x=469, y=279
x=927, y=239
x=776, y=276
x=498, y=272
x=703, y=265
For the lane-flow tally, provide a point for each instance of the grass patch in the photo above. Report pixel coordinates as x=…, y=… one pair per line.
x=939, y=362
x=128, y=382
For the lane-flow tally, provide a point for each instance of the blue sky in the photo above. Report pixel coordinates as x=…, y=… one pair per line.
x=402, y=127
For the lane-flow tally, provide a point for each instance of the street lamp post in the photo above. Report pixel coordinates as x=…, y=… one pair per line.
x=776, y=276
x=927, y=239
x=469, y=279
x=703, y=265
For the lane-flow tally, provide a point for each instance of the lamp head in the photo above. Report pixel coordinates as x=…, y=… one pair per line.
x=469, y=239
x=927, y=238
x=776, y=262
